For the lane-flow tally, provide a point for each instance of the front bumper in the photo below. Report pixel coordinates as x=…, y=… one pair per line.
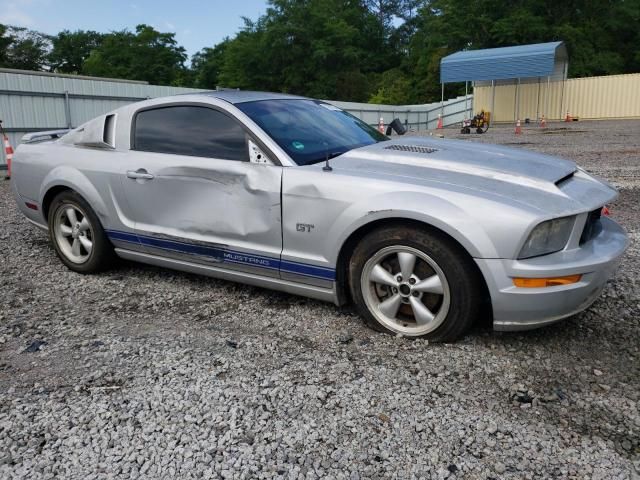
x=517, y=308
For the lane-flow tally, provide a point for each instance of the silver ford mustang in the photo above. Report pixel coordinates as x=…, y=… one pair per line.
x=297, y=195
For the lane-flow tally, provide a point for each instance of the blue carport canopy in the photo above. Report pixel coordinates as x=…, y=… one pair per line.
x=524, y=61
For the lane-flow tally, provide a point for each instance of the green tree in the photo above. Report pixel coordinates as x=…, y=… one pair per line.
x=379, y=50
x=23, y=48
x=5, y=42
x=144, y=55
x=384, y=10
x=206, y=65
x=244, y=63
x=322, y=48
x=71, y=49
x=602, y=38
x=393, y=89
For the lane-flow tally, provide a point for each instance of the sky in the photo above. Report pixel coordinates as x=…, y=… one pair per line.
x=197, y=24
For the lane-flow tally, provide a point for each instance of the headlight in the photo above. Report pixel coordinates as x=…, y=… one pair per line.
x=548, y=237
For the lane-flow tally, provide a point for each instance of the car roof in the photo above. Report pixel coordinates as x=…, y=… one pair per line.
x=242, y=96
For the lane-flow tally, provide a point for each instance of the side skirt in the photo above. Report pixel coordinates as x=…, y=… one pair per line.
x=39, y=225
x=319, y=293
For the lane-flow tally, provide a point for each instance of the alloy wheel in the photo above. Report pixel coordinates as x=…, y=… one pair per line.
x=73, y=233
x=405, y=290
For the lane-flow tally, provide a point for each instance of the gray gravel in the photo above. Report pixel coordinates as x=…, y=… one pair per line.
x=148, y=373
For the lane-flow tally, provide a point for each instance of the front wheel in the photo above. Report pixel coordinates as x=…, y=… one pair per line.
x=77, y=234
x=414, y=282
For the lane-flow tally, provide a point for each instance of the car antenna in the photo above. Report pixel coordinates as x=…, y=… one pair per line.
x=327, y=167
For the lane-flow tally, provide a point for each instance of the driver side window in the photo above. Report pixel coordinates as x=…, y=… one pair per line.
x=190, y=130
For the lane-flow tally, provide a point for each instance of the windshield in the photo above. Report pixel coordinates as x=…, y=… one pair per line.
x=309, y=130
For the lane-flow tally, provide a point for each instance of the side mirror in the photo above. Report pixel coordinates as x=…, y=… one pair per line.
x=396, y=126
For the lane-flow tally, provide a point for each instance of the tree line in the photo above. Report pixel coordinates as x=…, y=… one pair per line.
x=379, y=51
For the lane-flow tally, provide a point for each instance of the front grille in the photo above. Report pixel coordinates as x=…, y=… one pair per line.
x=592, y=227
x=411, y=148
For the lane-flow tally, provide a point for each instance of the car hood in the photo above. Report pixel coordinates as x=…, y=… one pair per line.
x=531, y=180
x=465, y=157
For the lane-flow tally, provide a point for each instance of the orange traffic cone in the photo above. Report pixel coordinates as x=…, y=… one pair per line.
x=381, y=125
x=568, y=117
x=518, y=128
x=543, y=122
x=439, y=127
x=8, y=150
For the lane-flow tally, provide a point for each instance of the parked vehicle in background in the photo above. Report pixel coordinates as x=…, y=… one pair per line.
x=297, y=195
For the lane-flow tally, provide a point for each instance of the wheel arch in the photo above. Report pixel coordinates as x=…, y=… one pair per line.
x=66, y=178
x=49, y=196
x=349, y=245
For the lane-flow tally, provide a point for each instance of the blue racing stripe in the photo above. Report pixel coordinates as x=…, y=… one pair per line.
x=127, y=237
x=308, y=270
x=188, y=244
x=225, y=255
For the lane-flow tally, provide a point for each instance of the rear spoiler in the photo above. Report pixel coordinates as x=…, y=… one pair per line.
x=42, y=136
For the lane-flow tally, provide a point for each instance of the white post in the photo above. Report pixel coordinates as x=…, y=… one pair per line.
x=516, y=107
x=548, y=95
x=471, y=102
x=564, y=77
x=466, y=95
x=538, y=102
x=493, y=100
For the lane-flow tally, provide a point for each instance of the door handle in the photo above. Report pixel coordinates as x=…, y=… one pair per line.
x=140, y=174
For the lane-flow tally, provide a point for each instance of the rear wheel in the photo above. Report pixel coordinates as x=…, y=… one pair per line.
x=415, y=283
x=77, y=235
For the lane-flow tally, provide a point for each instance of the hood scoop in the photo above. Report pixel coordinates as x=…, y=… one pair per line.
x=564, y=179
x=411, y=148
x=419, y=156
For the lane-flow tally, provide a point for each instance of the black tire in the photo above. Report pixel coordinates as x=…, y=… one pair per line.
x=462, y=277
x=101, y=256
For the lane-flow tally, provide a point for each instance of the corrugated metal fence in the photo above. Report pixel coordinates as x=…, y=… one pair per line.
x=36, y=101
x=614, y=96
x=416, y=117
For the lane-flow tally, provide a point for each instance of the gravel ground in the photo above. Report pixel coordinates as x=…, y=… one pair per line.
x=148, y=373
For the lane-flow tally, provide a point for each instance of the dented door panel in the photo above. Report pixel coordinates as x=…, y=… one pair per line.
x=208, y=211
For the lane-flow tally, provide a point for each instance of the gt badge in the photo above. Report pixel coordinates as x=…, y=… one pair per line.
x=304, y=227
